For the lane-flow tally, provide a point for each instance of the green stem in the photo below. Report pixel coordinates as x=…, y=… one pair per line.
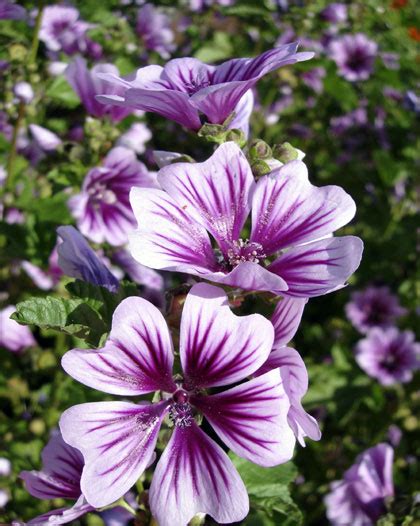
x=31, y=59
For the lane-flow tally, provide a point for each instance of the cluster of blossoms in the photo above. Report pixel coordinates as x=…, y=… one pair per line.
x=386, y=353
x=216, y=373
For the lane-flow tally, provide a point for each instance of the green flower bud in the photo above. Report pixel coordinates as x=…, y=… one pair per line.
x=285, y=152
x=260, y=168
x=259, y=150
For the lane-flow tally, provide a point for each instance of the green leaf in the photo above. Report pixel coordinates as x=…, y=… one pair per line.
x=62, y=93
x=219, y=49
x=71, y=316
x=98, y=298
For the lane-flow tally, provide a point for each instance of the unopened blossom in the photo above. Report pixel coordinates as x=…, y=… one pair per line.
x=193, y=475
x=389, y=355
x=13, y=336
x=373, y=307
x=47, y=140
x=59, y=479
x=102, y=209
x=78, y=260
x=24, y=92
x=186, y=88
x=286, y=319
x=88, y=83
x=11, y=11
x=354, y=56
x=288, y=249
x=62, y=30
x=335, y=13
x=359, y=499
x=5, y=467
x=136, y=137
x=153, y=26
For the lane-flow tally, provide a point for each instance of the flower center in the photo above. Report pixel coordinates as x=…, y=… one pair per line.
x=180, y=411
x=100, y=193
x=245, y=250
x=196, y=85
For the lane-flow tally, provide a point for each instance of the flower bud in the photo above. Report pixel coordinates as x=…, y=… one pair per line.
x=237, y=136
x=260, y=168
x=260, y=150
x=285, y=152
x=24, y=92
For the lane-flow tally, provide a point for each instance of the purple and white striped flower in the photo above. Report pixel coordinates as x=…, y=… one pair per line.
x=153, y=26
x=102, y=209
x=359, y=499
x=290, y=249
x=286, y=319
x=11, y=11
x=62, y=30
x=117, y=439
x=373, y=307
x=87, y=84
x=59, y=479
x=389, y=355
x=354, y=56
x=186, y=88
x=13, y=336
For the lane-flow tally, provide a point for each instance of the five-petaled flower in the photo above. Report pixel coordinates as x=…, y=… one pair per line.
x=186, y=87
x=290, y=249
x=194, y=474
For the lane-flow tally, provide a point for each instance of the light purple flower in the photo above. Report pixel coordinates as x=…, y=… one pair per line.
x=186, y=87
x=102, y=209
x=357, y=118
x=194, y=474
x=23, y=91
x=389, y=355
x=11, y=11
x=78, y=260
x=59, y=479
x=216, y=197
x=335, y=13
x=354, y=56
x=154, y=28
x=286, y=319
x=88, y=83
x=359, y=499
x=62, y=30
x=47, y=140
x=373, y=307
x=138, y=273
x=5, y=467
x=136, y=137
x=394, y=435
x=14, y=337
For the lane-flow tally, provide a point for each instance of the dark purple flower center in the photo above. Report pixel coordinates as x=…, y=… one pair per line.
x=244, y=250
x=180, y=410
x=358, y=60
x=196, y=85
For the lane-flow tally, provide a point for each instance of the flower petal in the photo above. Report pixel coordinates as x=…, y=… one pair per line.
x=187, y=73
x=295, y=380
x=194, y=475
x=137, y=357
x=243, y=111
x=319, y=267
x=117, y=440
x=77, y=260
x=251, y=419
x=166, y=237
x=61, y=472
x=286, y=319
x=217, y=347
x=250, y=276
x=288, y=210
x=215, y=194
x=63, y=515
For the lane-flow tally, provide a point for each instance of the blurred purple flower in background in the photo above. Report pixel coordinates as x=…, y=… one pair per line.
x=62, y=30
x=14, y=337
x=87, y=84
x=47, y=140
x=154, y=28
x=359, y=499
x=10, y=10
x=354, y=56
x=186, y=87
x=194, y=474
x=216, y=197
x=314, y=79
x=373, y=307
x=24, y=92
x=59, y=479
x=136, y=137
x=389, y=355
x=335, y=13
x=102, y=209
